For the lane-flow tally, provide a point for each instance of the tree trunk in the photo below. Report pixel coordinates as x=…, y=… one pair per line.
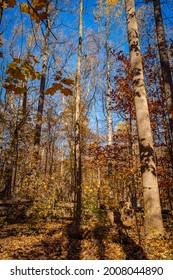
x=78, y=175
x=24, y=103
x=164, y=61
x=109, y=116
x=37, y=136
x=1, y=13
x=152, y=208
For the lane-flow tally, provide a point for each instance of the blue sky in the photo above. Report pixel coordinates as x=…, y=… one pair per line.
x=67, y=24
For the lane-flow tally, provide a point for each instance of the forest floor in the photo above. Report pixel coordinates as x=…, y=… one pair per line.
x=59, y=240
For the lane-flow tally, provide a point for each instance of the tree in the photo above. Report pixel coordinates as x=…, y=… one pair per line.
x=153, y=217
x=165, y=65
x=40, y=12
x=37, y=136
x=78, y=175
x=106, y=17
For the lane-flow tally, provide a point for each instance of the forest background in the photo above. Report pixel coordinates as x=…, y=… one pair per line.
x=72, y=140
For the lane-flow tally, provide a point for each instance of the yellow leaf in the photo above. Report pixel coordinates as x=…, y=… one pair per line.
x=24, y=8
x=4, y=5
x=37, y=74
x=111, y=2
x=12, y=66
x=17, y=60
x=39, y=4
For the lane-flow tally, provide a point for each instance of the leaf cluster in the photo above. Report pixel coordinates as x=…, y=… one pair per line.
x=37, y=10
x=7, y=3
x=18, y=72
x=62, y=84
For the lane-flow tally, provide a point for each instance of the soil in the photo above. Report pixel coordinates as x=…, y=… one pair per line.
x=65, y=241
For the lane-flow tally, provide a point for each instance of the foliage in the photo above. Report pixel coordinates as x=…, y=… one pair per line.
x=7, y=3
x=42, y=192
x=64, y=85
x=111, y=2
x=34, y=54
x=37, y=10
x=18, y=73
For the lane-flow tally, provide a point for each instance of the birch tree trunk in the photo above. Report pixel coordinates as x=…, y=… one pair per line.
x=78, y=175
x=152, y=209
x=165, y=65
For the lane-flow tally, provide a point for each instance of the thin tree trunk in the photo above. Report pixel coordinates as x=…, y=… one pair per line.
x=37, y=136
x=78, y=175
x=1, y=13
x=152, y=208
x=109, y=116
x=164, y=61
x=24, y=104
x=52, y=148
x=98, y=167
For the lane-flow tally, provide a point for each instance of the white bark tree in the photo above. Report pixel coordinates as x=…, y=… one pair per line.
x=153, y=217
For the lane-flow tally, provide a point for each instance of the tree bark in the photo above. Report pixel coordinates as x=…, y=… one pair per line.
x=165, y=65
x=153, y=218
x=78, y=175
x=37, y=136
x=109, y=116
x=1, y=13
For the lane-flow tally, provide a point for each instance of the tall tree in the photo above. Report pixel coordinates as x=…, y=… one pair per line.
x=43, y=12
x=109, y=115
x=164, y=61
x=153, y=216
x=78, y=175
x=37, y=137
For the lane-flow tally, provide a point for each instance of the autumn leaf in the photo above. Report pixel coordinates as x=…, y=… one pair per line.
x=7, y=3
x=67, y=81
x=17, y=60
x=60, y=87
x=44, y=15
x=4, y=5
x=12, y=65
x=111, y=2
x=19, y=71
x=54, y=88
x=37, y=74
x=24, y=8
x=58, y=76
x=67, y=91
x=39, y=4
